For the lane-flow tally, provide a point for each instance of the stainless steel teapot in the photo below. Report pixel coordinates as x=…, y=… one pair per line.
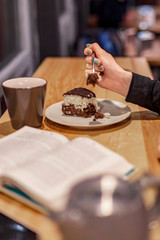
x=109, y=207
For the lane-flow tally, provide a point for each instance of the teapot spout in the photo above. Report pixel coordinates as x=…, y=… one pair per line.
x=150, y=181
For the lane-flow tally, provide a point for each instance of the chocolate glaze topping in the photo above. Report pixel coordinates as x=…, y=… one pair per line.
x=83, y=92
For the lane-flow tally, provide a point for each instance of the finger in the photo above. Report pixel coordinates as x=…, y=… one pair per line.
x=88, y=66
x=95, y=47
x=88, y=51
x=87, y=71
x=97, y=68
x=100, y=68
x=97, y=62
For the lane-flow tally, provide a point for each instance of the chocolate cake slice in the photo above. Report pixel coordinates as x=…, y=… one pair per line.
x=80, y=102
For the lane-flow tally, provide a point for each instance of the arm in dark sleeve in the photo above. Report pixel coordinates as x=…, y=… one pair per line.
x=144, y=92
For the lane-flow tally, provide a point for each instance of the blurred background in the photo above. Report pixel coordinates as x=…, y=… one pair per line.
x=31, y=30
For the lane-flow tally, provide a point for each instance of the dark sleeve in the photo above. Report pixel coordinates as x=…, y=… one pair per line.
x=144, y=92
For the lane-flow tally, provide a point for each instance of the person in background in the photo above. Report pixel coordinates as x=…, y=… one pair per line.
x=105, y=24
x=107, y=13
x=135, y=88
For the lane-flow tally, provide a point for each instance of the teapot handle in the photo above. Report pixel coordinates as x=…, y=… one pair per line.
x=146, y=181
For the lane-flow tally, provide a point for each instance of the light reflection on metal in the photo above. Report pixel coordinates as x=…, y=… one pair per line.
x=108, y=185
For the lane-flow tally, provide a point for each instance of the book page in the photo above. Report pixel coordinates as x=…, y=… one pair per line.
x=52, y=175
x=27, y=144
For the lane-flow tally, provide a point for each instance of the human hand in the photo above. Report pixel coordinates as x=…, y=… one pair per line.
x=113, y=76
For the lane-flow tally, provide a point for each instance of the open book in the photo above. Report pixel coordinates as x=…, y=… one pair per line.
x=39, y=167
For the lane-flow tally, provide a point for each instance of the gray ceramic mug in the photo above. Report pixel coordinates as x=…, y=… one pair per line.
x=25, y=98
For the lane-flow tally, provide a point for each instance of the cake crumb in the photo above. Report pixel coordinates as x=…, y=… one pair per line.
x=98, y=115
x=107, y=115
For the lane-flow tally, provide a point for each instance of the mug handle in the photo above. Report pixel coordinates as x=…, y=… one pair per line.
x=146, y=181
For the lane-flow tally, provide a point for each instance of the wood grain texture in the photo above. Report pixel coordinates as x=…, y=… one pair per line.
x=134, y=138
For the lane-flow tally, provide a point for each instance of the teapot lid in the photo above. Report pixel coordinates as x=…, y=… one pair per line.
x=103, y=195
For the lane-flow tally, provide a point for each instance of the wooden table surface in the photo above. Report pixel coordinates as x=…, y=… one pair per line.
x=134, y=138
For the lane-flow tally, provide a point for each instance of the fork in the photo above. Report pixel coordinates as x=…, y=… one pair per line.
x=93, y=69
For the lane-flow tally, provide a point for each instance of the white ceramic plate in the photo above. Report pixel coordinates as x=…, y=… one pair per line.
x=118, y=112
